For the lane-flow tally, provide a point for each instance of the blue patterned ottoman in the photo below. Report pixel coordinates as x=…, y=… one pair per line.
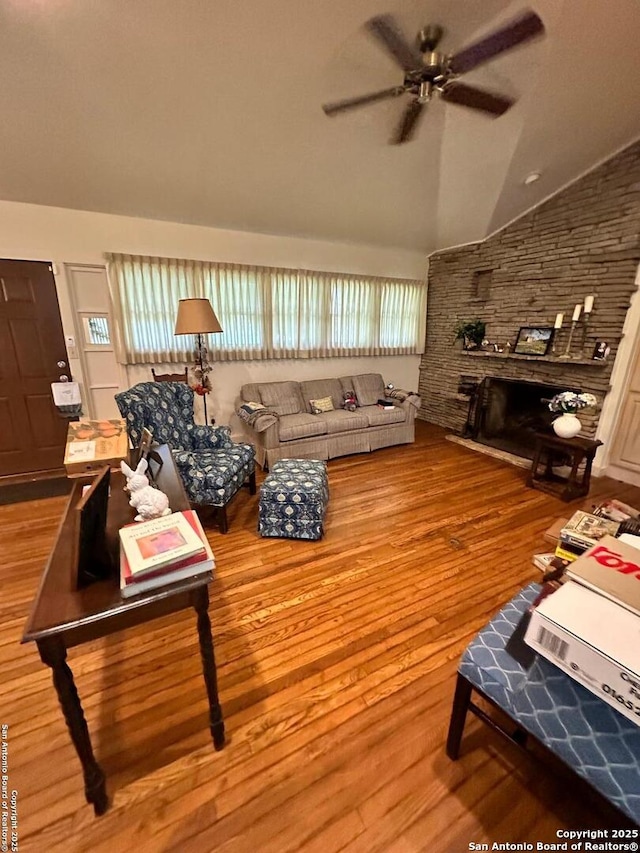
x=588, y=735
x=293, y=499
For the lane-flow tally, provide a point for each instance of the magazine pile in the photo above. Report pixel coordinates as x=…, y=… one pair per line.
x=590, y=626
x=572, y=537
x=163, y=551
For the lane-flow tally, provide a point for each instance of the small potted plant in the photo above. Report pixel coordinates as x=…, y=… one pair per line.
x=471, y=332
x=568, y=403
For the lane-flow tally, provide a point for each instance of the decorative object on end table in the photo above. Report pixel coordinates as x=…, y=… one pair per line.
x=93, y=444
x=533, y=340
x=160, y=543
x=180, y=568
x=568, y=403
x=471, y=333
x=91, y=558
x=197, y=317
x=149, y=501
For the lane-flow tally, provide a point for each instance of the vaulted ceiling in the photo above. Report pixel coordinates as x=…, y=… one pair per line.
x=209, y=112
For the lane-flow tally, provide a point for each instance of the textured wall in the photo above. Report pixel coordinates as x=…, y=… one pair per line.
x=584, y=240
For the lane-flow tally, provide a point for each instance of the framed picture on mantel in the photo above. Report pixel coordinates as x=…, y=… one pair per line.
x=533, y=340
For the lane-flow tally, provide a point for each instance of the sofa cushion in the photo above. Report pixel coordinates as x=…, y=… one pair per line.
x=342, y=421
x=301, y=425
x=283, y=397
x=369, y=388
x=379, y=417
x=314, y=389
x=251, y=391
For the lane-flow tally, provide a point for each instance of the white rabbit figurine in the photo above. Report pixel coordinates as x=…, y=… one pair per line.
x=150, y=502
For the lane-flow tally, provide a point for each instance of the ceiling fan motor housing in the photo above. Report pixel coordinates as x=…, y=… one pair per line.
x=433, y=62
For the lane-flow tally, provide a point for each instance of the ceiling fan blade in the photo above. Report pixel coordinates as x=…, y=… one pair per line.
x=350, y=103
x=517, y=31
x=477, y=99
x=385, y=29
x=407, y=127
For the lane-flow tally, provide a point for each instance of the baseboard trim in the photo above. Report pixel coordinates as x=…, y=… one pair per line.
x=32, y=476
x=616, y=472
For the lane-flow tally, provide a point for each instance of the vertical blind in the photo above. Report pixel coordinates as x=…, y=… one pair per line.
x=266, y=312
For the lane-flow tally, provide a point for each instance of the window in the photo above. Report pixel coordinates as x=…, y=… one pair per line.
x=96, y=330
x=266, y=312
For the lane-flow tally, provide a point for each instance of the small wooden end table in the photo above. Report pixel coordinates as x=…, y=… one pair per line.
x=63, y=616
x=548, y=448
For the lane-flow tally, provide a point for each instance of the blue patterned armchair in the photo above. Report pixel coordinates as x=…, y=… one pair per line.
x=212, y=466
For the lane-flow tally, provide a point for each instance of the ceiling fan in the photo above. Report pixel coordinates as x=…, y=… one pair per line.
x=427, y=71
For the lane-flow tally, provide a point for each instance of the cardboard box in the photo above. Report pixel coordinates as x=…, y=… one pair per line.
x=612, y=569
x=594, y=640
x=93, y=444
x=553, y=533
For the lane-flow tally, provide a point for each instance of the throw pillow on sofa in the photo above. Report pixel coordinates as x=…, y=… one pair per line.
x=324, y=404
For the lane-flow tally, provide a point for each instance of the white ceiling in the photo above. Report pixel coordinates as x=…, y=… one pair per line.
x=208, y=112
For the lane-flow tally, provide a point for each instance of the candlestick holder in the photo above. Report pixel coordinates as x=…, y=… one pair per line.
x=566, y=353
x=554, y=338
x=585, y=325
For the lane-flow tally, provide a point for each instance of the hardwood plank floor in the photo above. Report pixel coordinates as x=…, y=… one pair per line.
x=336, y=664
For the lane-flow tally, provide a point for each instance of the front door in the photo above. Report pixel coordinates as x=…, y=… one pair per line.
x=32, y=434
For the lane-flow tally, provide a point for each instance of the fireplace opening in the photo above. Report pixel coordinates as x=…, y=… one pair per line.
x=509, y=412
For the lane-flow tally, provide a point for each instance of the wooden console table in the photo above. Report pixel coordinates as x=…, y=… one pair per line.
x=63, y=616
x=548, y=448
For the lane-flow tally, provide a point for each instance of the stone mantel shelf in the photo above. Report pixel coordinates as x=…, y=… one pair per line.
x=552, y=359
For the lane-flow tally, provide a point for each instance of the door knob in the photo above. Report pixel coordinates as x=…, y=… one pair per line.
x=63, y=377
x=62, y=364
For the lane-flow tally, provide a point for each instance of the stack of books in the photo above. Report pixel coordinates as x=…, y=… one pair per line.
x=162, y=551
x=583, y=531
x=572, y=537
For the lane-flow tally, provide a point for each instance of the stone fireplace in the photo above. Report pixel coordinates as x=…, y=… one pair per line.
x=507, y=413
x=584, y=241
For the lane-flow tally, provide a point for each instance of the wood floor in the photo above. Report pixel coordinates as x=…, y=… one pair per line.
x=336, y=662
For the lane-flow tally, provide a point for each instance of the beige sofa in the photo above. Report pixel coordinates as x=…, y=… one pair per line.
x=279, y=420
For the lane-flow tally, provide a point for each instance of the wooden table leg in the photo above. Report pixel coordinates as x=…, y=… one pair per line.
x=586, y=479
x=533, y=473
x=216, y=723
x=574, y=489
x=54, y=654
x=458, y=716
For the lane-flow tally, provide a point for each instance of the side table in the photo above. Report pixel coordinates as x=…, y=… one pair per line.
x=63, y=616
x=549, y=447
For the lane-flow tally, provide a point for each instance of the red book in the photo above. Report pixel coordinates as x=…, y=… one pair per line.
x=195, y=564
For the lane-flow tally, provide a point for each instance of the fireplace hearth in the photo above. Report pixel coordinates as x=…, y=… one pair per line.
x=508, y=413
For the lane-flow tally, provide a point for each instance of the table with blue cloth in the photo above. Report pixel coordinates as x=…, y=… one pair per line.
x=588, y=735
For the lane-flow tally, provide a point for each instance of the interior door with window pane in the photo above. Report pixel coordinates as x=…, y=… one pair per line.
x=32, y=433
x=89, y=291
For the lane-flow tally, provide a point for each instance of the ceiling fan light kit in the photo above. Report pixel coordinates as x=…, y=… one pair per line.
x=427, y=71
